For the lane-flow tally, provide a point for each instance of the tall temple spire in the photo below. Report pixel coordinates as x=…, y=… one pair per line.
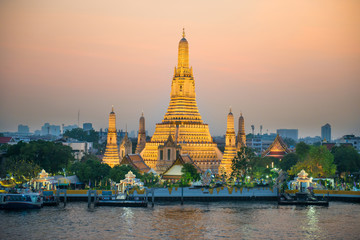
x=111, y=156
x=183, y=54
x=241, y=137
x=230, y=145
x=141, y=141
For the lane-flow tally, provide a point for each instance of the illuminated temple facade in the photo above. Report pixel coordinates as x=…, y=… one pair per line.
x=111, y=156
x=182, y=121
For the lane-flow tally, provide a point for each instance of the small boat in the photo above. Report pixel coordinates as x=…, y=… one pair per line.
x=21, y=201
x=302, y=199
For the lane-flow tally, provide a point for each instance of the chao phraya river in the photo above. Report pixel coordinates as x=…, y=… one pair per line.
x=222, y=220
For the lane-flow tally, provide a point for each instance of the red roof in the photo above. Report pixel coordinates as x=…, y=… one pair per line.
x=5, y=140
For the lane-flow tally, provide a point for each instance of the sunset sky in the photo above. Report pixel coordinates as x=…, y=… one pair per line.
x=283, y=63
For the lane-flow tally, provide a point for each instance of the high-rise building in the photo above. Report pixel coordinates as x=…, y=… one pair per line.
x=241, y=137
x=111, y=156
x=326, y=133
x=230, y=146
x=288, y=133
x=141, y=141
x=183, y=121
x=23, y=128
x=48, y=129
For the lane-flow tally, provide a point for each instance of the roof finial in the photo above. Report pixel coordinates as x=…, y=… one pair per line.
x=230, y=109
x=112, y=108
x=142, y=113
x=183, y=33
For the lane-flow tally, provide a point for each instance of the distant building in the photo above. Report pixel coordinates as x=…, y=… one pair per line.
x=69, y=127
x=351, y=139
x=79, y=149
x=23, y=128
x=326, y=132
x=48, y=129
x=310, y=140
x=288, y=133
x=87, y=126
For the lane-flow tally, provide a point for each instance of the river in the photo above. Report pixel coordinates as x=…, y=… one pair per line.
x=220, y=220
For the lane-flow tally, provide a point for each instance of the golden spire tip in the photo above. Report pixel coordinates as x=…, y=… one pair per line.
x=183, y=35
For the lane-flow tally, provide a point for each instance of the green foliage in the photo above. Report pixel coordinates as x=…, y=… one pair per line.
x=243, y=162
x=118, y=172
x=51, y=156
x=149, y=179
x=288, y=161
x=346, y=158
x=189, y=173
x=22, y=170
x=319, y=162
x=92, y=170
x=87, y=136
x=88, y=157
x=302, y=150
x=289, y=142
x=81, y=135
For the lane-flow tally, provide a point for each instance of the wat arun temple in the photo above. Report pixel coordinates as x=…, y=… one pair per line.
x=182, y=124
x=182, y=131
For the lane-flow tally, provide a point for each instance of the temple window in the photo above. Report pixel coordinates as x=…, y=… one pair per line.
x=168, y=154
x=161, y=154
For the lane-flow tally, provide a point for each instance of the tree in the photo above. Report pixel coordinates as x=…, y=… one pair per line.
x=51, y=156
x=91, y=170
x=346, y=158
x=288, y=161
x=22, y=170
x=87, y=136
x=243, y=162
x=318, y=163
x=189, y=173
x=302, y=150
x=118, y=172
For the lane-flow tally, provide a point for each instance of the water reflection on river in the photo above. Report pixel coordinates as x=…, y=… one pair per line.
x=231, y=220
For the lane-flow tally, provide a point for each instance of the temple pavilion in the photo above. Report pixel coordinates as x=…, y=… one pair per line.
x=277, y=149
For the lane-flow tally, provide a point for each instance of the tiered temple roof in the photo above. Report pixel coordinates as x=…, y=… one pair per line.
x=136, y=161
x=173, y=172
x=277, y=149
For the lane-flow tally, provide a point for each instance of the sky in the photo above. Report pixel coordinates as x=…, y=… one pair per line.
x=282, y=63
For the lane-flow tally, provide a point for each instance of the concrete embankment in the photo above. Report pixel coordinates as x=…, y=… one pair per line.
x=217, y=194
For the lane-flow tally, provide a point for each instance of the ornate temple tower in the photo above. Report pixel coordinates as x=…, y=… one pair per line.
x=125, y=146
x=111, y=156
x=141, y=141
x=241, y=137
x=230, y=146
x=183, y=121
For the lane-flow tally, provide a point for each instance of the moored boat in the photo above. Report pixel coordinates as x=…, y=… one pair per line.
x=20, y=201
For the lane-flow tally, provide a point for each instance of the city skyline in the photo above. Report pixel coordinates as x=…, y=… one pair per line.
x=282, y=69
